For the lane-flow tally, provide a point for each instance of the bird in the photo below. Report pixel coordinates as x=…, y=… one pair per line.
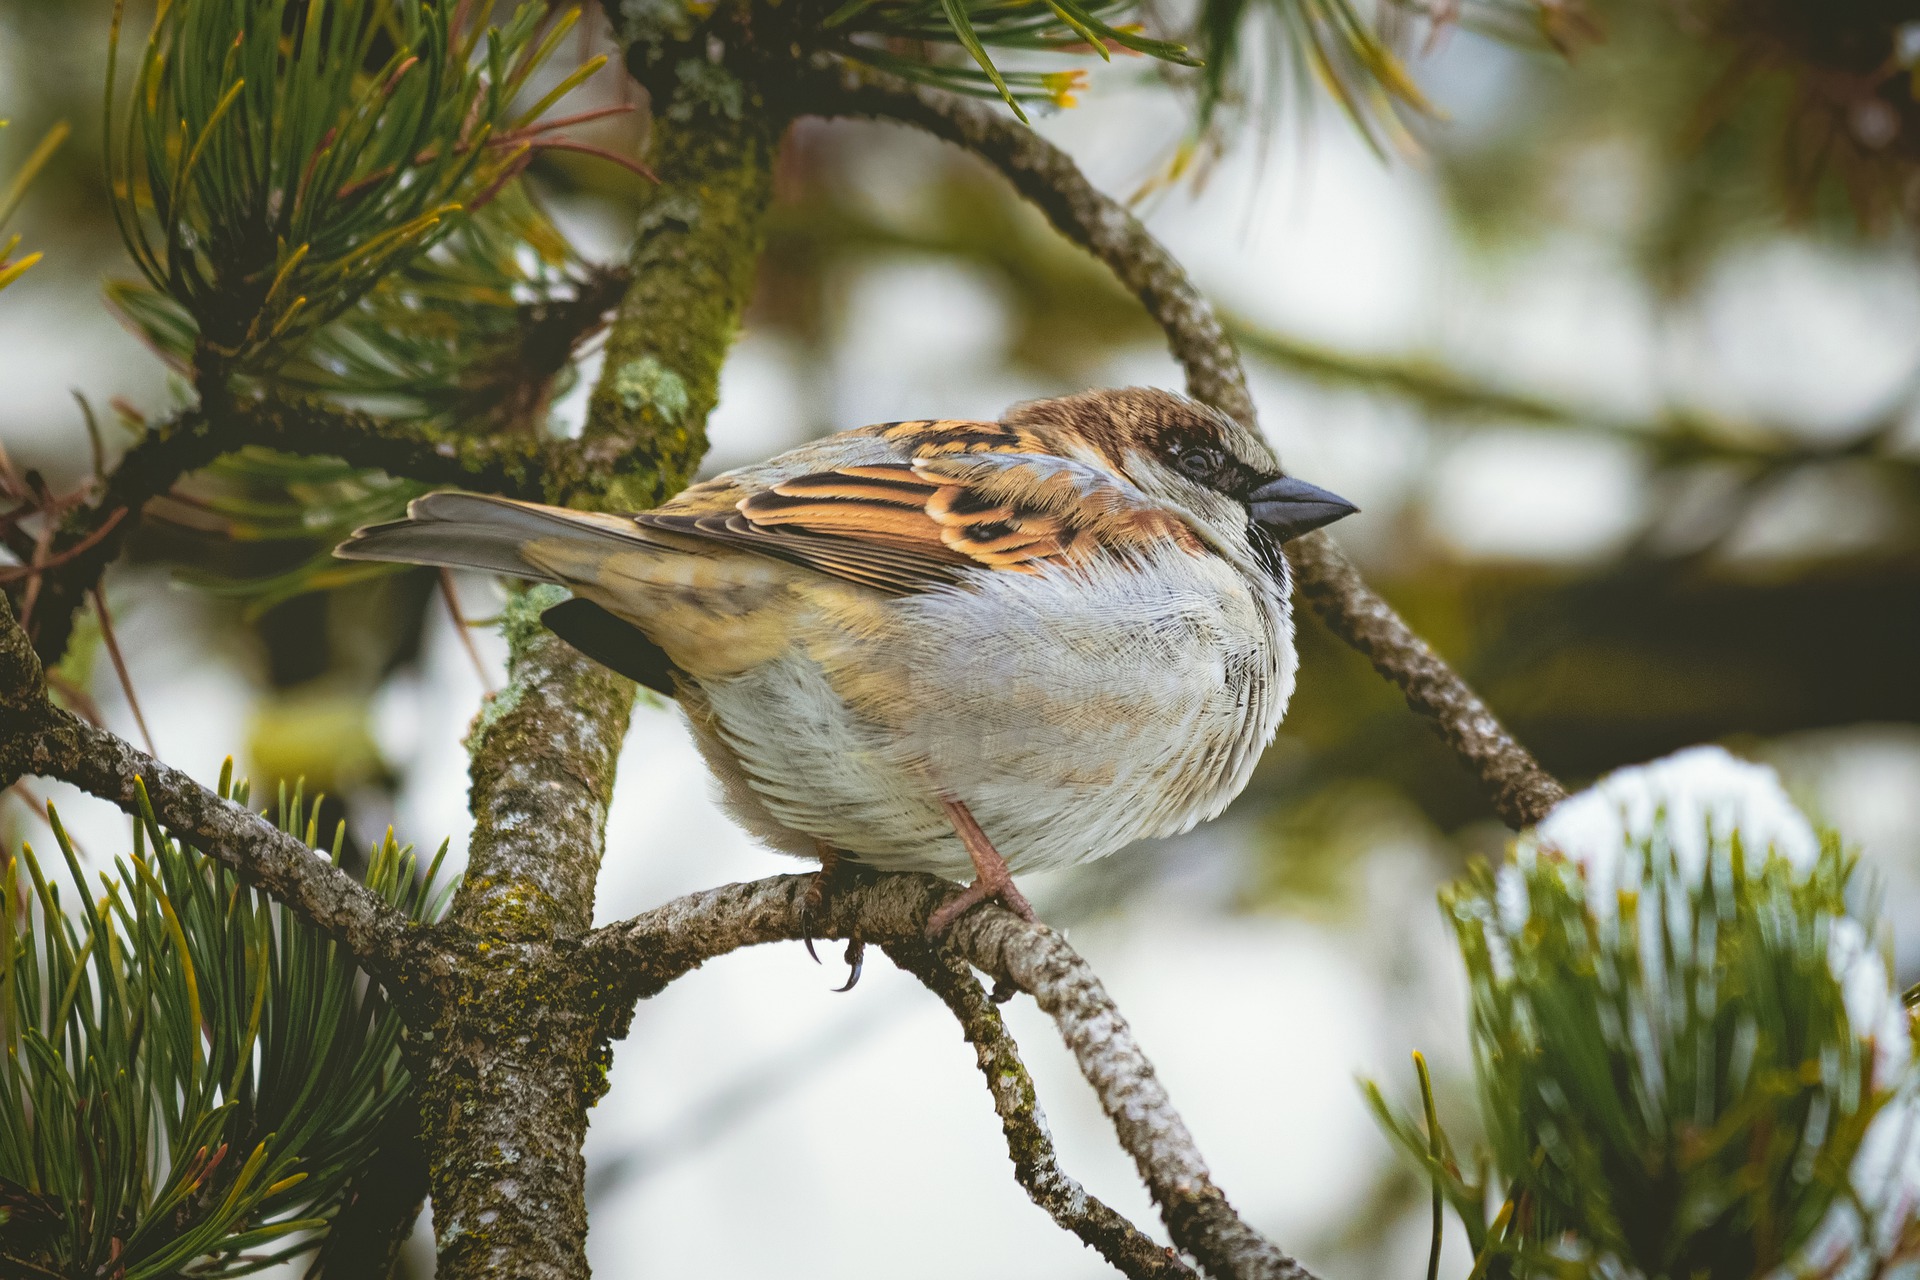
x=943, y=645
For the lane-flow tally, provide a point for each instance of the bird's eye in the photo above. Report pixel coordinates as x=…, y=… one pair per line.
x=1201, y=463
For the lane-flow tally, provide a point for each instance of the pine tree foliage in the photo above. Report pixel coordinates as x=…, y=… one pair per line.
x=1311, y=45
x=476, y=335
x=919, y=29
x=336, y=209
x=298, y=506
x=12, y=268
x=1674, y=1078
x=266, y=190
x=1690, y=1064
x=192, y=1076
x=1322, y=44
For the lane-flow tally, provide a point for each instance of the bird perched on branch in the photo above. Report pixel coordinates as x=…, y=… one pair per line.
x=943, y=645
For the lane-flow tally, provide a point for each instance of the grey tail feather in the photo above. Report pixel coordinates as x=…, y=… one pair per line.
x=465, y=531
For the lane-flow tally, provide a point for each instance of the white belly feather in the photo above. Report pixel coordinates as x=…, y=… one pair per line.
x=1072, y=717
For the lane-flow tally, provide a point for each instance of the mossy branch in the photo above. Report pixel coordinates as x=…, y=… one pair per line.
x=518, y=1056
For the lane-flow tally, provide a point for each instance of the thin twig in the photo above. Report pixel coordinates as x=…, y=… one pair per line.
x=640, y=957
x=512, y=462
x=36, y=571
x=120, y=667
x=1030, y=1145
x=39, y=738
x=598, y=152
x=1520, y=790
x=77, y=698
x=511, y=465
x=86, y=543
x=464, y=631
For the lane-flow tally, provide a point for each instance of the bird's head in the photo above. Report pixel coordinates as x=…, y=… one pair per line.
x=1192, y=458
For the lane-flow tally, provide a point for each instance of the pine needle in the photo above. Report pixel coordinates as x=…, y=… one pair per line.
x=120, y=667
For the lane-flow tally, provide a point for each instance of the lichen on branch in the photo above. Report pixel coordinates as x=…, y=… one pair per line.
x=519, y=1053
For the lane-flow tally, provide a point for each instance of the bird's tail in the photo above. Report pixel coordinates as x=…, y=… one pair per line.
x=549, y=544
x=478, y=531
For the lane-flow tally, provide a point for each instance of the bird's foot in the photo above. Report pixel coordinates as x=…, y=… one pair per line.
x=992, y=882
x=986, y=888
x=833, y=871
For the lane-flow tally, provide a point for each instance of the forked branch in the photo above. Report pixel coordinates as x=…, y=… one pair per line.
x=613, y=967
x=641, y=956
x=41, y=739
x=1035, y=1165
x=1519, y=789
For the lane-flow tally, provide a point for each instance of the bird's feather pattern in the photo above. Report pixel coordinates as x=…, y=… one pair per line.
x=943, y=498
x=1049, y=620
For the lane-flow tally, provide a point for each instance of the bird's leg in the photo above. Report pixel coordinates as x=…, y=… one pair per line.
x=831, y=864
x=991, y=880
x=816, y=894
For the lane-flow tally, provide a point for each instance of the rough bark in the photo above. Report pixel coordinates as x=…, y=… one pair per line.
x=510, y=1005
x=640, y=957
x=517, y=1054
x=40, y=739
x=1047, y=178
x=1035, y=1165
x=1521, y=791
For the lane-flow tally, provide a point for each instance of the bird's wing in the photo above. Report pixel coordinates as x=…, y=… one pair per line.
x=938, y=500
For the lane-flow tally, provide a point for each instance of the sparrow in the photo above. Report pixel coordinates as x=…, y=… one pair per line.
x=943, y=646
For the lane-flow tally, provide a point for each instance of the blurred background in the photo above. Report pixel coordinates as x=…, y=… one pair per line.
x=1618, y=348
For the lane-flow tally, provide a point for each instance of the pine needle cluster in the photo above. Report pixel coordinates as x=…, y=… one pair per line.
x=1690, y=1064
x=265, y=188
x=333, y=208
x=11, y=267
x=192, y=1077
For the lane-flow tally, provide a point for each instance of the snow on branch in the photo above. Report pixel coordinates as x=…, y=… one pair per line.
x=1690, y=1055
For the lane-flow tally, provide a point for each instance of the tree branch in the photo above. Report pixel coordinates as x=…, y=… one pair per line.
x=1519, y=789
x=641, y=956
x=1048, y=178
x=194, y=438
x=514, y=462
x=1672, y=435
x=1035, y=1166
x=1522, y=792
x=518, y=1052
x=41, y=739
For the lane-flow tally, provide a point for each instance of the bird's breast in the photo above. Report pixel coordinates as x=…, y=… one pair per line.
x=1073, y=712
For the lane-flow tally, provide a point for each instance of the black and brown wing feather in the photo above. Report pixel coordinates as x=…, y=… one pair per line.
x=967, y=496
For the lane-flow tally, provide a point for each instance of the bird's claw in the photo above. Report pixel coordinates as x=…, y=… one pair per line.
x=855, y=957
x=810, y=903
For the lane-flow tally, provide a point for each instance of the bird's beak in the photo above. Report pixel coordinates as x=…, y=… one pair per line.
x=1287, y=508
